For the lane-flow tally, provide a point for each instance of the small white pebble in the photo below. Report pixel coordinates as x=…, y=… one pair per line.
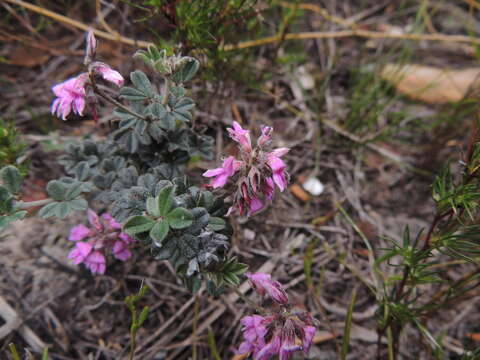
x=313, y=186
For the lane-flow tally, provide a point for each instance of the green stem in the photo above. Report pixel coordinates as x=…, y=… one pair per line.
x=133, y=344
x=30, y=204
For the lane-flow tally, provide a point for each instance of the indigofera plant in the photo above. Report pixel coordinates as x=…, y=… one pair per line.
x=138, y=171
x=137, y=176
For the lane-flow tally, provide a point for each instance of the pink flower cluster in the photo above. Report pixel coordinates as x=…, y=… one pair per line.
x=92, y=242
x=71, y=95
x=257, y=172
x=280, y=333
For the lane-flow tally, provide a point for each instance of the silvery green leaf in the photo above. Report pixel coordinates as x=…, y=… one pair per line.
x=78, y=204
x=56, y=190
x=168, y=122
x=73, y=191
x=187, y=71
x=177, y=91
x=82, y=170
x=62, y=209
x=141, y=82
x=181, y=109
x=48, y=210
x=138, y=224
x=155, y=131
x=166, y=251
x=131, y=141
x=132, y=94
x=179, y=218
x=165, y=200
x=11, y=178
x=157, y=110
x=123, y=114
x=206, y=200
x=153, y=207
x=216, y=223
x=159, y=232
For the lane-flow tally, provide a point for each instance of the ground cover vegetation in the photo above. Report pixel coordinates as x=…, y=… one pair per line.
x=239, y=179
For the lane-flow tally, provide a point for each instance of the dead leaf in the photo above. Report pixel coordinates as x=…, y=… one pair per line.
x=430, y=84
x=474, y=336
x=301, y=194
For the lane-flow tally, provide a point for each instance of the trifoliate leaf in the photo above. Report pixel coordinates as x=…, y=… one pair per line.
x=138, y=224
x=180, y=218
x=159, y=232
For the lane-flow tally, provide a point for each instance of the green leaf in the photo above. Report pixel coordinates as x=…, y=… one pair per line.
x=138, y=224
x=62, y=209
x=153, y=206
x=6, y=200
x=48, y=210
x=159, y=232
x=143, y=315
x=74, y=190
x=141, y=82
x=82, y=170
x=132, y=94
x=6, y=220
x=216, y=223
x=11, y=178
x=181, y=109
x=165, y=200
x=157, y=110
x=187, y=71
x=56, y=190
x=180, y=218
x=78, y=204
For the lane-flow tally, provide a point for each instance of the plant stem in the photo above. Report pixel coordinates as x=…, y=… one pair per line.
x=111, y=100
x=166, y=93
x=133, y=345
x=260, y=309
x=29, y=204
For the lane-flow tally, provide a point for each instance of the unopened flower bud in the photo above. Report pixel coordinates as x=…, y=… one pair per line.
x=91, y=48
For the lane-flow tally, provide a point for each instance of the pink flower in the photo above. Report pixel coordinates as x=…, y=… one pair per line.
x=126, y=239
x=255, y=205
x=279, y=333
x=263, y=284
x=265, y=137
x=79, y=232
x=92, y=243
x=112, y=222
x=288, y=346
x=229, y=167
x=94, y=220
x=80, y=252
x=269, y=188
x=259, y=172
x=120, y=251
x=95, y=261
x=254, y=331
x=108, y=73
x=241, y=136
x=70, y=96
x=308, y=333
x=278, y=167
